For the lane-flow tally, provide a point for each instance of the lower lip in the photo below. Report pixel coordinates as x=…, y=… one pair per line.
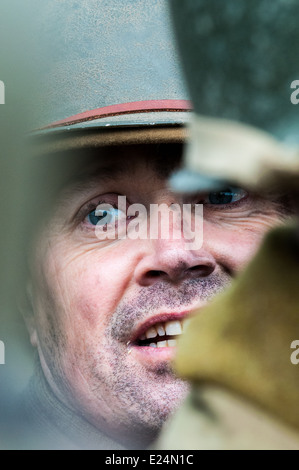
x=150, y=355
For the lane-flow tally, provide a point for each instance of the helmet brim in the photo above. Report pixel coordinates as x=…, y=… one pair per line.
x=146, y=122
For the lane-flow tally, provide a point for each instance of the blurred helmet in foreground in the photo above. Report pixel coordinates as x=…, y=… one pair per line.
x=241, y=64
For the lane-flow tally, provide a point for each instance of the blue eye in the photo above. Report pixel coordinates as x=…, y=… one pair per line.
x=227, y=196
x=103, y=216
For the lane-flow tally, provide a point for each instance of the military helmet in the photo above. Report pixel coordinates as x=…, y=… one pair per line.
x=241, y=64
x=109, y=74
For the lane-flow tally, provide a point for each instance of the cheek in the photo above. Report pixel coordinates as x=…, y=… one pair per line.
x=234, y=245
x=90, y=285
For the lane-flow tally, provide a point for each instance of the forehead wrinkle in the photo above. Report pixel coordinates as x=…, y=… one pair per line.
x=101, y=174
x=150, y=168
x=158, y=160
x=93, y=178
x=114, y=171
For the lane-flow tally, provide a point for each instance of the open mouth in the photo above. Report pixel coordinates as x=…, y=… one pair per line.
x=162, y=334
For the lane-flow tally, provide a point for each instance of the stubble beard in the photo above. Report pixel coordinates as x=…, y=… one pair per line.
x=147, y=397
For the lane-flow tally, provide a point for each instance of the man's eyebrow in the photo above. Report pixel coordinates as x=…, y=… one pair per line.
x=110, y=170
x=103, y=174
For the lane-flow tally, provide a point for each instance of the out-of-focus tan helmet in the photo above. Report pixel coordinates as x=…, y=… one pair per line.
x=241, y=64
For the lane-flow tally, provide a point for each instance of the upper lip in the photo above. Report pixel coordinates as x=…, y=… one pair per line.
x=160, y=318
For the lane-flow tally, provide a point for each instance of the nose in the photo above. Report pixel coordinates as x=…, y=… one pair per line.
x=171, y=262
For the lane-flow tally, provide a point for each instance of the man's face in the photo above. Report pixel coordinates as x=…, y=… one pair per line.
x=107, y=311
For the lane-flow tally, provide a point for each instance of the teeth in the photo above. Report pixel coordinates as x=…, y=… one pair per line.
x=173, y=328
x=160, y=330
x=161, y=344
x=151, y=333
x=170, y=328
x=164, y=344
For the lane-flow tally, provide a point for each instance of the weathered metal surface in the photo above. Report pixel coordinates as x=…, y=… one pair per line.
x=100, y=53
